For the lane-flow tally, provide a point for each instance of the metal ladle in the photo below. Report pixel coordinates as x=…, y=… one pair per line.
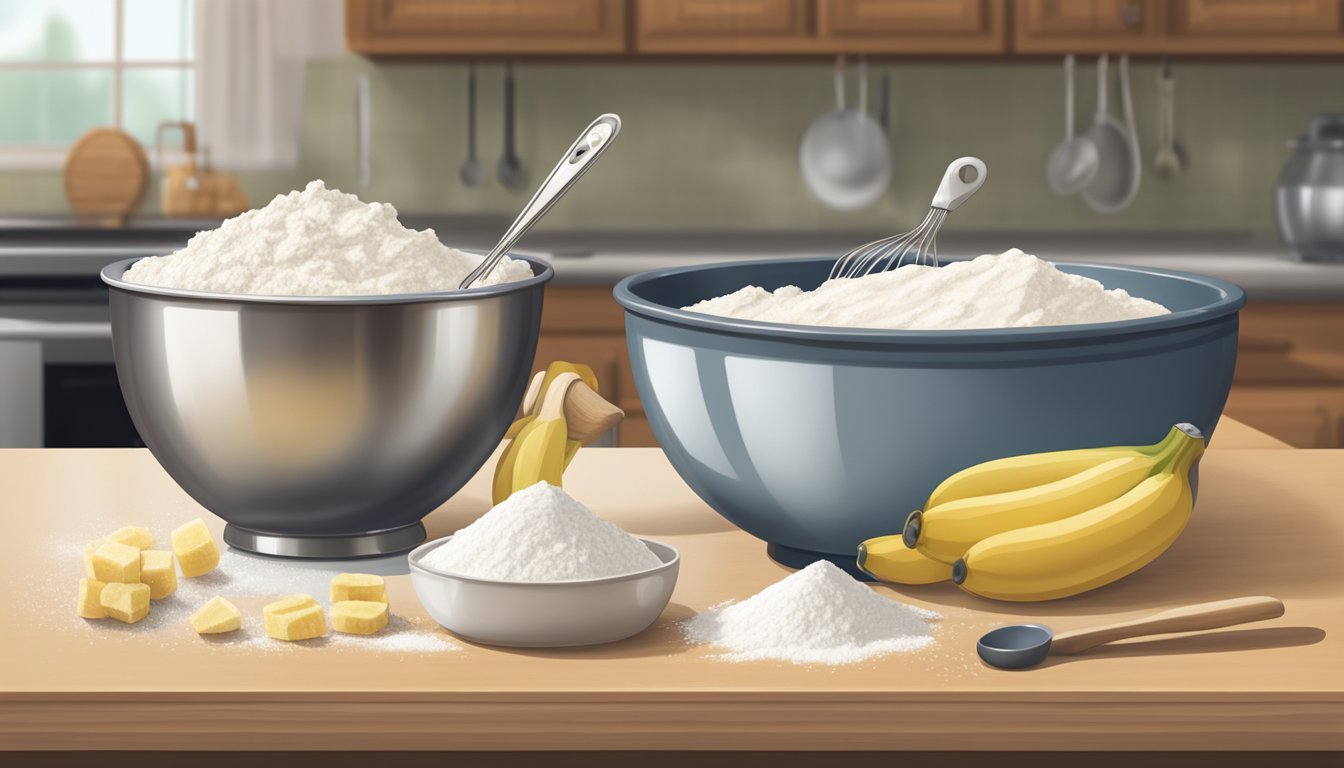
x=1073, y=162
x=1026, y=645
x=581, y=155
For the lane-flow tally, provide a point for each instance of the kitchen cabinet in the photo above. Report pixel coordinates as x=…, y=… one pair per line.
x=715, y=26
x=457, y=27
x=1078, y=26
x=1233, y=27
x=1290, y=372
x=912, y=26
x=750, y=27
x=824, y=27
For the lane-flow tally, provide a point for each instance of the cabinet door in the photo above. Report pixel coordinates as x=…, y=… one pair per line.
x=517, y=27
x=912, y=26
x=1303, y=418
x=721, y=26
x=1257, y=26
x=1087, y=26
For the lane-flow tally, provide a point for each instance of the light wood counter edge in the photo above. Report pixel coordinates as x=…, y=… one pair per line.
x=672, y=721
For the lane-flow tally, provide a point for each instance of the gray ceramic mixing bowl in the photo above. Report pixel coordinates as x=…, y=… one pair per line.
x=323, y=426
x=815, y=439
x=545, y=614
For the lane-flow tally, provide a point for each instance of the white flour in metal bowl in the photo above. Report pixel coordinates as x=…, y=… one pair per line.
x=542, y=533
x=819, y=615
x=1008, y=290
x=317, y=242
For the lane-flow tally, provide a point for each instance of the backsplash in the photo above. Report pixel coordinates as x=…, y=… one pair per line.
x=715, y=146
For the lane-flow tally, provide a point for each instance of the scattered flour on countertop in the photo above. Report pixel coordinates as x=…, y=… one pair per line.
x=1009, y=290
x=819, y=615
x=541, y=533
x=317, y=242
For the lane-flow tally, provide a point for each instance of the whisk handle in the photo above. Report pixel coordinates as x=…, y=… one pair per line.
x=964, y=176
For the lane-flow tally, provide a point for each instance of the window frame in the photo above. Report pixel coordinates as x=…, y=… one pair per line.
x=46, y=157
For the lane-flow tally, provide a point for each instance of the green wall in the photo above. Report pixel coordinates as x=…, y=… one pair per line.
x=715, y=146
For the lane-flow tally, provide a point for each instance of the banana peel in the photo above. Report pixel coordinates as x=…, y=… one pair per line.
x=538, y=447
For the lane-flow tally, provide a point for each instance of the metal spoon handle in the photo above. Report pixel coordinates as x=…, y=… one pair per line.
x=581, y=155
x=1189, y=618
x=1068, y=97
x=471, y=111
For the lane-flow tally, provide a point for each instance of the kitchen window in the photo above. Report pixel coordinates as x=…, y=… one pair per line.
x=70, y=65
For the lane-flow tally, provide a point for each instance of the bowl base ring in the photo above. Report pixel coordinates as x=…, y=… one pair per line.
x=376, y=544
x=801, y=558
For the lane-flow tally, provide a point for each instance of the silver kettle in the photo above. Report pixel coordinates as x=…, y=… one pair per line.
x=1309, y=197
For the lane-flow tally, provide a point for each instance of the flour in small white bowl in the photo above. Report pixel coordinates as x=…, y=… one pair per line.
x=317, y=242
x=1008, y=290
x=819, y=615
x=541, y=533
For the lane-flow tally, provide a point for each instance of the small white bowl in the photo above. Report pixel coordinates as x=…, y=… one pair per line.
x=545, y=614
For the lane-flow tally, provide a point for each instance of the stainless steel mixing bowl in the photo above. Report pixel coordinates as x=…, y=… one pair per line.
x=323, y=426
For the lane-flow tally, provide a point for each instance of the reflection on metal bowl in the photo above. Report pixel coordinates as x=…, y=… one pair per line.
x=323, y=426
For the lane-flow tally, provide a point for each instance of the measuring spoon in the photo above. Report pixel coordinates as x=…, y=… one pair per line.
x=1025, y=645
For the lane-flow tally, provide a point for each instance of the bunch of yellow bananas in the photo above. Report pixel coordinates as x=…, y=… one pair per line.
x=1046, y=525
x=538, y=446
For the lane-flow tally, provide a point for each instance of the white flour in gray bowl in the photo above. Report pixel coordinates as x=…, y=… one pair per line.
x=1008, y=290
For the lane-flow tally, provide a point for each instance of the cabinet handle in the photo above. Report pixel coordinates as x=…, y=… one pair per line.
x=1131, y=14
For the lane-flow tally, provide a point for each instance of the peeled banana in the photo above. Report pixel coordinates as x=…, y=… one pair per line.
x=1089, y=549
x=946, y=531
x=1017, y=472
x=886, y=558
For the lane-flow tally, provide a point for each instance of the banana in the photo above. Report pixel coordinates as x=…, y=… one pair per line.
x=1088, y=550
x=886, y=558
x=540, y=454
x=502, y=484
x=946, y=531
x=1017, y=472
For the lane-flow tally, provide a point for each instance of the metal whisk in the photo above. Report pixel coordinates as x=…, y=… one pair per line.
x=963, y=177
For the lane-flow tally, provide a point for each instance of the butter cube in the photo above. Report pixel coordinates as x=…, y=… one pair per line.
x=195, y=548
x=89, y=549
x=89, y=607
x=134, y=536
x=125, y=602
x=358, y=617
x=116, y=563
x=297, y=617
x=157, y=571
x=216, y=617
x=358, y=586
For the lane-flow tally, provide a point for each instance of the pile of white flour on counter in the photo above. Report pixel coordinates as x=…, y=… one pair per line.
x=1009, y=290
x=541, y=533
x=318, y=242
x=819, y=615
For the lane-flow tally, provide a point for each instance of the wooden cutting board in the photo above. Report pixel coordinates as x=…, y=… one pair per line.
x=106, y=174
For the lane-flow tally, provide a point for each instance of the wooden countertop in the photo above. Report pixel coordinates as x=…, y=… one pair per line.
x=1269, y=521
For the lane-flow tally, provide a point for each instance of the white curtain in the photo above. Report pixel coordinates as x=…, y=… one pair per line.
x=250, y=59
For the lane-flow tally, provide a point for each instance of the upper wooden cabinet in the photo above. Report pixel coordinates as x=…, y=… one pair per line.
x=468, y=27
x=1257, y=26
x=819, y=26
x=520, y=28
x=721, y=26
x=912, y=26
x=1179, y=26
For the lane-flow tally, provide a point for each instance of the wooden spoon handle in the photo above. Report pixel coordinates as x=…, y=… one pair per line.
x=1189, y=618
